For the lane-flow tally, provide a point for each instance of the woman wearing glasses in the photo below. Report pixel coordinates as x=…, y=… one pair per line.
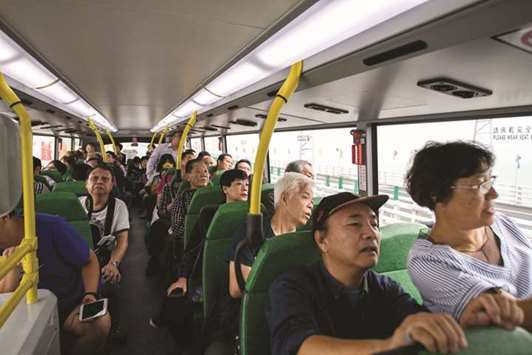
x=475, y=263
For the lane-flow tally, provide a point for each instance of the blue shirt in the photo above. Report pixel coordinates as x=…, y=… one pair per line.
x=62, y=253
x=309, y=301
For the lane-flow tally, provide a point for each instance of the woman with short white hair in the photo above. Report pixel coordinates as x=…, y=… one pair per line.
x=293, y=206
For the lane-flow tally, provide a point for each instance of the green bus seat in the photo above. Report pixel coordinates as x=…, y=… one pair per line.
x=77, y=187
x=217, y=242
x=42, y=180
x=67, y=205
x=216, y=178
x=275, y=257
x=202, y=197
x=397, y=239
x=54, y=174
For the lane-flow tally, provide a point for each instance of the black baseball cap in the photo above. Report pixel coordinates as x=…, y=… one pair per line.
x=333, y=203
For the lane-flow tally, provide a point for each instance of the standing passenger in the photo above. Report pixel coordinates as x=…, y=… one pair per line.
x=164, y=148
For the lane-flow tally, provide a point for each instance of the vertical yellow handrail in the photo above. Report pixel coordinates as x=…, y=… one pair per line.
x=163, y=133
x=153, y=139
x=286, y=90
x=28, y=247
x=115, y=147
x=191, y=122
x=99, y=138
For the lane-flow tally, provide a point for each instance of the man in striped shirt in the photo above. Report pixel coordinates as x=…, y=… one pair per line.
x=475, y=264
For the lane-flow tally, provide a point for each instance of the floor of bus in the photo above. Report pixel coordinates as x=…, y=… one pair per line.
x=140, y=298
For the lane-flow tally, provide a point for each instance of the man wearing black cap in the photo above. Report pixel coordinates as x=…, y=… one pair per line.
x=338, y=305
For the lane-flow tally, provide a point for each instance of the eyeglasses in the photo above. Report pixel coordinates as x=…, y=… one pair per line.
x=483, y=187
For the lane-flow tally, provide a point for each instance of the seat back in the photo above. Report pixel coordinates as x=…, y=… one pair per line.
x=202, y=197
x=397, y=239
x=76, y=187
x=66, y=205
x=217, y=243
x=54, y=174
x=276, y=256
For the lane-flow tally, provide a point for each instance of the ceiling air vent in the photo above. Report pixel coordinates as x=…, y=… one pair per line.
x=244, y=122
x=219, y=126
x=49, y=110
x=394, y=53
x=454, y=88
x=262, y=116
x=232, y=108
x=36, y=123
x=209, y=128
x=329, y=109
x=273, y=92
x=26, y=102
x=210, y=115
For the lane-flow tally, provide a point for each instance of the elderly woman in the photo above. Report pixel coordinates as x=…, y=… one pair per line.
x=475, y=263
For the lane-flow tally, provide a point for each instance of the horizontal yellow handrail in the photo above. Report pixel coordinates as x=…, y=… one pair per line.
x=28, y=247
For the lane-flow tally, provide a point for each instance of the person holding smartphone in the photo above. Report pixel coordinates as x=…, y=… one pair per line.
x=68, y=268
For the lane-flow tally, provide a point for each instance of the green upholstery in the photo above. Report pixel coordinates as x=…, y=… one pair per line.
x=77, y=187
x=403, y=278
x=216, y=178
x=217, y=242
x=67, y=205
x=397, y=239
x=54, y=174
x=42, y=180
x=202, y=197
x=495, y=340
x=275, y=256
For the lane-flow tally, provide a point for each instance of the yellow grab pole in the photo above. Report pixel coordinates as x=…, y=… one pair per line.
x=286, y=90
x=115, y=147
x=153, y=139
x=29, y=242
x=99, y=138
x=163, y=133
x=191, y=122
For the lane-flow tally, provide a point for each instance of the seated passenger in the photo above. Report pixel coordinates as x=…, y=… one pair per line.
x=234, y=185
x=245, y=165
x=223, y=163
x=338, y=305
x=41, y=183
x=293, y=207
x=69, y=269
x=475, y=263
x=58, y=166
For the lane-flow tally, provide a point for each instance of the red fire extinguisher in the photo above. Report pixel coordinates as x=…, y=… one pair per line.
x=359, y=145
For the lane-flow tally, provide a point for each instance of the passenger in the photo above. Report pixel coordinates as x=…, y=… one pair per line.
x=94, y=160
x=80, y=171
x=109, y=217
x=234, y=184
x=338, y=305
x=162, y=149
x=57, y=166
x=293, y=207
x=69, y=269
x=89, y=148
x=41, y=183
x=244, y=165
x=224, y=162
x=475, y=263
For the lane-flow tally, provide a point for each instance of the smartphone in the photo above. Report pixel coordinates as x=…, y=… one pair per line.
x=93, y=310
x=176, y=293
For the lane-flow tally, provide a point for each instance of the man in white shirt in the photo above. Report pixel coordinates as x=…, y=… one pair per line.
x=163, y=148
x=109, y=219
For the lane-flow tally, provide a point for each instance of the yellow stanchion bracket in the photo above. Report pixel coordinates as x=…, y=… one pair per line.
x=191, y=122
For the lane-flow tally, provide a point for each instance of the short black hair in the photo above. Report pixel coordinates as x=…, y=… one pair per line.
x=69, y=160
x=436, y=167
x=243, y=161
x=59, y=166
x=36, y=163
x=165, y=158
x=229, y=176
x=80, y=171
x=87, y=144
x=191, y=163
x=222, y=156
x=187, y=152
x=102, y=166
x=203, y=154
x=111, y=154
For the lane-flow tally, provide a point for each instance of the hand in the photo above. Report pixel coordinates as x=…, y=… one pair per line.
x=436, y=332
x=111, y=273
x=180, y=283
x=9, y=251
x=500, y=309
x=88, y=299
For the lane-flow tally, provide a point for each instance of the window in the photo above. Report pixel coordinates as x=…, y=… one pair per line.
x=77, y=144
x=196, y=144
x=212, y=145
x=243, y=146
x=44, y=148
x=329, y=151
x=509, y=139
x=130, y=150
x=65, y=145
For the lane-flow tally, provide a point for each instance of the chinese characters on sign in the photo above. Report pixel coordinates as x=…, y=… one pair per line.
x=512, y=133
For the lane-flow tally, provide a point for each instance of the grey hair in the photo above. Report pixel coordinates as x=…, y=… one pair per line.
x=296, y=166
x=290, y=183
